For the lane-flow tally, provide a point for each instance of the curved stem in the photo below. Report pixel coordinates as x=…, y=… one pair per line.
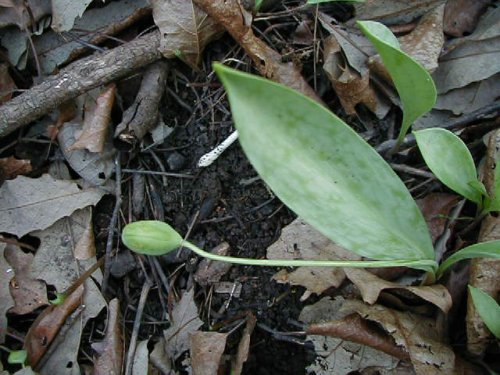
x=426, y=265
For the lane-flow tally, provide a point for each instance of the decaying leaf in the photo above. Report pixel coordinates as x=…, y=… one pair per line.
x=65, y=12
x=110, y=350
x=416, y=334
x=185, y=29
x=184, y=321
x=209, y=271
x=96, y=123
x=85, y=247
x=336, y=355
x=392, y=12
x=18, y=14
x=11, y=167
x=28, y=293
x=299, y=240
x=46, y=326
x=95, y=168
x=141, y=358
x=462, y=16
x=159, y=357
x=206, y=350
x=371, y=286
x=5, y=296
x=7, y=84
x=28, y=204
x=244, y=346
x=435, y=207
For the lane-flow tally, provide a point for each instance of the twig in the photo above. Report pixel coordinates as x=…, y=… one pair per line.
x=77, y=78
x=168, y=174
x=211, y=156
x=112, y=224
x=137, y=324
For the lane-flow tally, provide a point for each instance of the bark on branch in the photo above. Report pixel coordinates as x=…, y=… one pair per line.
x=77, y=78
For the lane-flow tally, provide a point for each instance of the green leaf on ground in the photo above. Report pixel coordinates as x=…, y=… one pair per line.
x=490, y=249
x=487, y=308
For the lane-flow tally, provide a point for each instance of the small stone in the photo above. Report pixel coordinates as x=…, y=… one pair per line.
x=175, y=161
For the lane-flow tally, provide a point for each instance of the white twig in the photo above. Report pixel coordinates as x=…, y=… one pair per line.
x=211, y=156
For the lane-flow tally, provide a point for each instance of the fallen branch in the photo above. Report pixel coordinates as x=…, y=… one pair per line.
x=77, y=78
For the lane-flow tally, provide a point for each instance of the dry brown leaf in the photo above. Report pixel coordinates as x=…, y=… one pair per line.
x=435, y=207
x=7, y=84
x=336, y=351
x=184, y=322
x=462, y=16
x=17, y=14
x=28, y=293
x=244, y=346
x=206, y=350
x=28, y=204
x=110, y=350
x=96, y=123
x=303, y=34
x=392, y=12
x=234, y=18
x=5, y=296
x=11, y=167
x=209, y=271
x=371, y=286
x=185, y=29
x=85, y=247
x=299, y=240
x=416, y=334
x=46, y=326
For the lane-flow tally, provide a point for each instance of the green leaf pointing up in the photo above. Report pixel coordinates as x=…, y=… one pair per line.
x=325, y=172
x=413, y=83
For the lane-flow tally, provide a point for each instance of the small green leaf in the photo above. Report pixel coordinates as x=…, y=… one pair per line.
x=490, y=249
x=17, y=357
x=318, y=166
x=450, y=160
x=151, y=237
x=413, y=83
x=60, y=297
x=487, y=308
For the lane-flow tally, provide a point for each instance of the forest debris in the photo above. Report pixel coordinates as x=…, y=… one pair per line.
x=11, y=167
x=209, y=271
x=371, y=286
x=17, y=13
x=110, y=350
x=28, y=292
x=7, y=84
x=77, y=78
x=159, y=358
x=462, y=16
x=46, y=326
x=143, y=115
x=184, y=321
x=44, y=201
x=64, y=13
x=96, y=123
x=436, y=207
x=206, y=349
x=185, y=29
x=392, y=12
x=5, y=296
x=299, y=240
x=244, y=345
x=336, y=355
x=85, y=247
x=416, y=334
x=140, y=364
x=235, y=20
x=56, y=49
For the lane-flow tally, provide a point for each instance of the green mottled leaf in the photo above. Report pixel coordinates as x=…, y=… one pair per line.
x=450, y=160
x=487, y=308
x=151, y=237
x=490, y=249
x=325, y=172
x=413, y=83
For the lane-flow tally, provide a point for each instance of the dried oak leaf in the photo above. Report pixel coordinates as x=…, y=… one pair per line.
x=28, y=292
x=110, y=350
x=371, y=286
x=462, y=16
x=185, y=29
x=206, y=349
x=28, y=204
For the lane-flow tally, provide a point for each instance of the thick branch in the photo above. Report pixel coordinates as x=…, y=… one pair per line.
x=77, y=78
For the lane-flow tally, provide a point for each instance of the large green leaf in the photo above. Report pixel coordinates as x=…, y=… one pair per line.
x=490, y=249
x=487, y=308
x=413, y=83
x=325, y=172
x=449, y=159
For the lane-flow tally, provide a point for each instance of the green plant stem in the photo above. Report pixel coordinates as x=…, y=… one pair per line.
x=422, y=264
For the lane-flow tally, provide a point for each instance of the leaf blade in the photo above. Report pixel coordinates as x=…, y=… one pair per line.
x=487, y=308
x=299, y=148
